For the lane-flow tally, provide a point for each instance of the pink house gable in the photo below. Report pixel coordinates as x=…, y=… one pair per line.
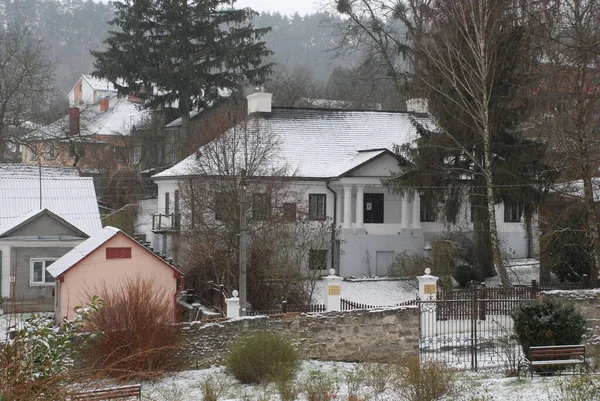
x=110, y=264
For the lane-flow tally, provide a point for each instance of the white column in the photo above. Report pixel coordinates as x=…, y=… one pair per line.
x=233, y=305
x=428, y=294
x=416, y=221
x=339, y=199
x=332, y=291
x=359, y=207
x=347, y=207
x=406, y=209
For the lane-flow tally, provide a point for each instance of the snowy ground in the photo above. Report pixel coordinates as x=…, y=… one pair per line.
x=187, y=385
x=379, y=291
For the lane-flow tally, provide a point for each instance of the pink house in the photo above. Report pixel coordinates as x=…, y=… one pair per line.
x=107, y=259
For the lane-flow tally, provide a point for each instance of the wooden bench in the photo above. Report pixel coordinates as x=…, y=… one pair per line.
x=111, y=393
x=555, y=355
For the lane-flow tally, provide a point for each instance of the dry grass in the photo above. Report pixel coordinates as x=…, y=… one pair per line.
x=137, y=337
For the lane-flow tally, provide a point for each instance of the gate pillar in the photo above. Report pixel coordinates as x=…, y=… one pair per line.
x=333, y=296
x=428, y=286
x=428, y=306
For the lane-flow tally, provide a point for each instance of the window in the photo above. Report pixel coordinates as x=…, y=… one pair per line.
x=512, y=212
x=137, y=154
x=316, y=206
x=317, y=259
x=289, y=211
x=39, y=275
x=373, y=208
x=118, y=253
x=76, y=149
x=427, y=211
x=221, y=200
x=50, y=151
x=261, y=206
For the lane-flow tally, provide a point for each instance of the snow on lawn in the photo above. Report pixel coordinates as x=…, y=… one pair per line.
x=520, y=272
x=187, y=385
x=381, y=291
x=372, y=292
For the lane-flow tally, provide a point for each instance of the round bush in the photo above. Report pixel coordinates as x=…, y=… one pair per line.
x=547, y=322
x=262, y=357
x=464, y=274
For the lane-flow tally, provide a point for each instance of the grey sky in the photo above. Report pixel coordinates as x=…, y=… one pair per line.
x=288, y=7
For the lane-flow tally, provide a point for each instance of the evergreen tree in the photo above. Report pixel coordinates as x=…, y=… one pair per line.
x=188, y=52
x=476, y=66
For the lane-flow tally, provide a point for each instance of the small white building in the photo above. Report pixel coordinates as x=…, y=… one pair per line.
x=337, y=159
x=89, y=90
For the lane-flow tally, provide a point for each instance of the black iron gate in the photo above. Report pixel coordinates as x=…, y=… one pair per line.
x=471, y=329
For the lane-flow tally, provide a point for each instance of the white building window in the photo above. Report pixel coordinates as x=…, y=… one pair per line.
x=137, y=154
x=38, y=274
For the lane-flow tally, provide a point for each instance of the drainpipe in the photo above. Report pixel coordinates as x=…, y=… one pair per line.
x=333, y=224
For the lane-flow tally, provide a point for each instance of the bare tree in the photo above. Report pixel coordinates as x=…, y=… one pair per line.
x=463, y=52
x=280, y=234
x=569, y=103
x=26, y=83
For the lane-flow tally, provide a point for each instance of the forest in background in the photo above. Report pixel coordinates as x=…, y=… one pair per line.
x=307, y=64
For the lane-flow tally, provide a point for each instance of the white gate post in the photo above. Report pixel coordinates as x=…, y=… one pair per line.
x=233, y=305
x=428, y=292
x=332, y=291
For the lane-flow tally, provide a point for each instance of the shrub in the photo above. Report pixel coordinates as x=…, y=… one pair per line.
x=582, y=388
x=425, y=381
x=321, y=387
x=464, y=274
x=137, y=336
x=38, y=362
x=212, y=387
x=547, y=322
x=262, y=357
x=378, y=376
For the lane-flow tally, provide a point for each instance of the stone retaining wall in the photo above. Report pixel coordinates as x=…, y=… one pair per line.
x=354, y=336
x=587, y=302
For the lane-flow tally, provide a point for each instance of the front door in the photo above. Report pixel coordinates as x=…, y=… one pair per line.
x=373, y=208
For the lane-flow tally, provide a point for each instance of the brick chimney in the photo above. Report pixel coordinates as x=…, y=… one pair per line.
x=74, y=121
x=259, y=102
x=104, y=103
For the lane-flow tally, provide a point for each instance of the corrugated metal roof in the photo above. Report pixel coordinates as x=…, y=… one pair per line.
x=12, y=169
x=81, y=251
x=71, y=198
x=318, y=143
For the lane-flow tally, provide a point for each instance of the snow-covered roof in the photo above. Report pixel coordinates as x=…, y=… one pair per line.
x=121, y=116
x=99, y=83
x=88, y=246
x=11, y=169
x=575, y=188
x=82, y=250
x=177, y=121
x=71, y=198
x=333, y=104
x=318, y=143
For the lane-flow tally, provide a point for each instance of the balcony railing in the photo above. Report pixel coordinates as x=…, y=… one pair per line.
x=165, y=223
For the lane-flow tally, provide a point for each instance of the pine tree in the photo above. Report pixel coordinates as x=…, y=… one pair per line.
x=192, y=53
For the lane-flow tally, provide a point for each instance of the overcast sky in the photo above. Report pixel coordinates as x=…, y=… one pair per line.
x=288, y=7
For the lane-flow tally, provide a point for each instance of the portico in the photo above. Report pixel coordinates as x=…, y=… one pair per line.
x=365, y=204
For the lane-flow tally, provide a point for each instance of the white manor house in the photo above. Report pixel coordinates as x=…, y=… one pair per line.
x=336, y=159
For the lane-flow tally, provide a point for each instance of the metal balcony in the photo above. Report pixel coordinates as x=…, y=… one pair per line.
x=165, y=223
